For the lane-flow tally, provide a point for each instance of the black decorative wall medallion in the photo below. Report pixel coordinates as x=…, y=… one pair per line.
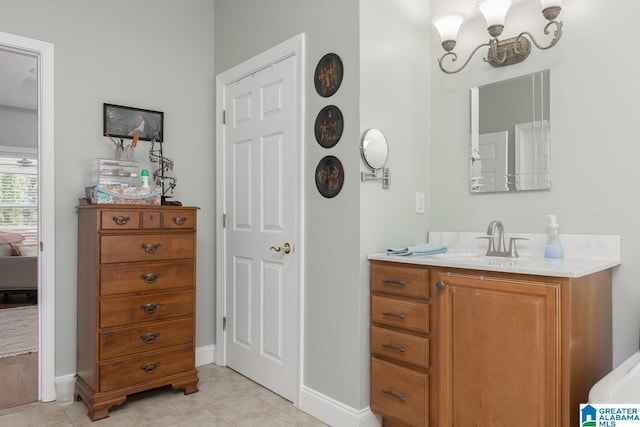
x=329, y=176
x=328, y=75
x=328, y=126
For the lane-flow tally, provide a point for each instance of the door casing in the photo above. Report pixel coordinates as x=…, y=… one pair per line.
x=43, y=51
x=293, y=46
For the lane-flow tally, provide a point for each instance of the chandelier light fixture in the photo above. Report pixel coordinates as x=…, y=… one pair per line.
x=500, y=52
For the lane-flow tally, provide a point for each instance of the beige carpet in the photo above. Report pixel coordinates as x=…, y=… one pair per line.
x=18, y=331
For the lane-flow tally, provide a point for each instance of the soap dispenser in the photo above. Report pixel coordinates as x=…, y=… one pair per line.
x=554, y=249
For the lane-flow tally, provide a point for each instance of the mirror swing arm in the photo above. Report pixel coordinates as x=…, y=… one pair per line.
x=371, y=176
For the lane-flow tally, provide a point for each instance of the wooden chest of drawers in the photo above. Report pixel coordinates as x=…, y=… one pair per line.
x=136, y=302
x=400, y=334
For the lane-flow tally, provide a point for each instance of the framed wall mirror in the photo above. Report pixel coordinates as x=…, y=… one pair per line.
x=510, y=135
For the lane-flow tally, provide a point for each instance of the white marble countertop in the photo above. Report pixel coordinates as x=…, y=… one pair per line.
x=584, y=254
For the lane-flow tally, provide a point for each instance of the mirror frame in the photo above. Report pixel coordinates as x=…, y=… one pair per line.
x=526, y=143
x=366, y=136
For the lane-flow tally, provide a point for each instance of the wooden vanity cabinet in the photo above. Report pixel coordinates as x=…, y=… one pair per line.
x=502, y=349
x=136, y=302
x=401, y=328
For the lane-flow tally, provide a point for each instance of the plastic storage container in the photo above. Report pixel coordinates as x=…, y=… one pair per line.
x=115, y=172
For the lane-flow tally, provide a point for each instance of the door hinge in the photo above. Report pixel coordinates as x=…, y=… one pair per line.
x=41, y=246
x=224, y=220
x=224, y=323
x=224, y=117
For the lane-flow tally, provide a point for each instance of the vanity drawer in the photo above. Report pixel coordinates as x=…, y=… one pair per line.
x=146, y=277
x=146, y=247
x=179, y=219
x=149, y=337
x=399, y=393
x=146, y=367
x=396, y=345
x=402, y=280
x=400, y=313
x=119, y=220
x=144, y=308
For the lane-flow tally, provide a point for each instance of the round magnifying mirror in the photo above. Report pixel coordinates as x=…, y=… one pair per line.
x=374, y=149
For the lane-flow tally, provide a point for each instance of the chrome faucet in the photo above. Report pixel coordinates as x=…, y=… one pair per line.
x=497, y=246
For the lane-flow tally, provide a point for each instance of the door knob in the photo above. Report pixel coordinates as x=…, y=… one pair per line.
x=286, y=248
x=440, y=285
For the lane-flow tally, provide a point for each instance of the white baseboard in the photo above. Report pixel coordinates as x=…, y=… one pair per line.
x=205, y=355
x=65, y=387
x=334, y=413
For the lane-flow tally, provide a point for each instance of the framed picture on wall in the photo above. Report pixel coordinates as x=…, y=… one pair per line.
x=124, y=122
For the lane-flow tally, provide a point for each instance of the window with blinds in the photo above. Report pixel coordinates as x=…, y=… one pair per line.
x=19, y=196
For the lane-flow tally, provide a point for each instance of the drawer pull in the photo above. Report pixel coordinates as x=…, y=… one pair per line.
x=150, y=338
x=392, y=394
x=394, y=282
x=150, y=277
x=150, y=368
x=150, y=308
x=179, y=220
x=150, y=248
x=392, y=314
x=393, y=347
x=121, y=220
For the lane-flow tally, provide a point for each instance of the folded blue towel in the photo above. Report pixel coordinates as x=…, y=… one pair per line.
x=418, y=249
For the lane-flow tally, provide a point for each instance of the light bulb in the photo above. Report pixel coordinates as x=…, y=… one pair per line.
x=494, y=11
x=448, y=25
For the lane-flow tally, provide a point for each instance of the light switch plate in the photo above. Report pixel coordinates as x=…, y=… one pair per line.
x=419, y=203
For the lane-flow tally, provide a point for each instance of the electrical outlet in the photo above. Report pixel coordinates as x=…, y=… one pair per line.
x=419, y=203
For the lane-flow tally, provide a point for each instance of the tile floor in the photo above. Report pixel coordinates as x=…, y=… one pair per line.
x=225, y=399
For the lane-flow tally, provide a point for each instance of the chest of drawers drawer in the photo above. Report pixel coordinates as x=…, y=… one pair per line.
x=400, y=346
x=400, y=313
x=146, y=277
x=148, y=337
x=399, y=393
x=145, y=308
x=146, y=367
x=146, y=247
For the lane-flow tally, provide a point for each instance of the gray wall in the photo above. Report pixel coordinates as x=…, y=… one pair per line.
x=332, y=320
x=593, y=150
x=394, y=97
x=154, y=54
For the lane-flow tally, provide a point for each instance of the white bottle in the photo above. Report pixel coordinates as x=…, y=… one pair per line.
x=144, y=175
x=554, y=248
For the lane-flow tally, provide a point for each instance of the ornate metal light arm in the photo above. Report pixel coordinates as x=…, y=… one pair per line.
x=454, y=58
x=556, y=36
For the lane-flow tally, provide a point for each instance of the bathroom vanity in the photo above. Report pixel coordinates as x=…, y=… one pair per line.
x=463, y=339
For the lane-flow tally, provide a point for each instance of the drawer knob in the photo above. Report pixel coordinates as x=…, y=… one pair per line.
x=150, y=248
x=150, y=308
x=393, y=394
x=394, y=282
x=121, y=220
x=150, y=277
x=392, y=314
x=440, y=285
x=150, y=338
x=179, y=220
x=150, y=368
x=393, y=347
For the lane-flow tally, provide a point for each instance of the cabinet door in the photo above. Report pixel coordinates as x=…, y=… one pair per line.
x=499, y=353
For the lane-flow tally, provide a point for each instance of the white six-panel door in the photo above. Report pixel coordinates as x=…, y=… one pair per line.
x=261, y=204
